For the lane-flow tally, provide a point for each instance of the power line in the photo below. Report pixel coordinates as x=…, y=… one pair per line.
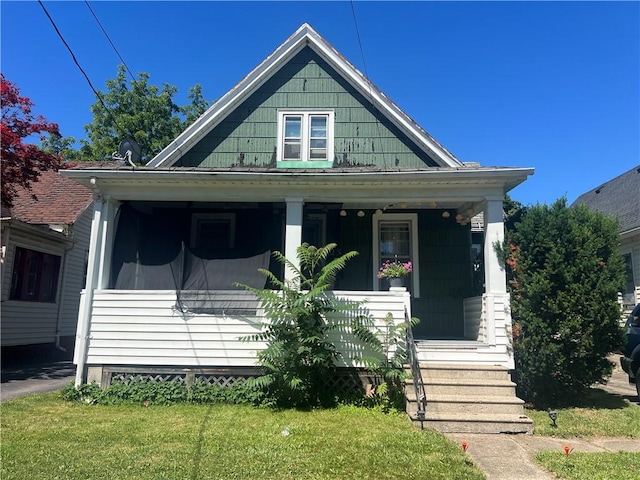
x=75, y=60
x=109, y=39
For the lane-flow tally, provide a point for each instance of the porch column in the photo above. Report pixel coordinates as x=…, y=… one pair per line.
x=93, y=268
x=293, y=233
x=108, y=228
x=494, y=275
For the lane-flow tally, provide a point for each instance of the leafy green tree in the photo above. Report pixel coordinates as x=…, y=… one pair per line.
x=300, y=356
x=63, y=147
x=141, y=111
x=565, y=272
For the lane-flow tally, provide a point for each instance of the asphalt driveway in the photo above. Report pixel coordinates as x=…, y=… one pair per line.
x=30, y=377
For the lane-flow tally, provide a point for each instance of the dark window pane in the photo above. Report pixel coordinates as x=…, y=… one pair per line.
x=35, y=276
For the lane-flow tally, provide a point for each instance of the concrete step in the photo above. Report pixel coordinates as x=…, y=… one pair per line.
x=462, y=404
x=459, y=372
x=467, y=387
x=475, y=423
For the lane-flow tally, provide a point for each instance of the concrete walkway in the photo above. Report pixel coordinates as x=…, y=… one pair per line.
x=511, y=457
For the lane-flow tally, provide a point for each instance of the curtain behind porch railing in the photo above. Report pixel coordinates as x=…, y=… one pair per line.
x=150, y=253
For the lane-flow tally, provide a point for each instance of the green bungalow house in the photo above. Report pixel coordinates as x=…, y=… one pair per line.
x=304, y=149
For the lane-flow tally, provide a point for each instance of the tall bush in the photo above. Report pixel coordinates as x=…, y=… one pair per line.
x=300, y=355
x=565, y=271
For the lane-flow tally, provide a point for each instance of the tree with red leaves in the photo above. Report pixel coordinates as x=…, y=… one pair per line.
x=22, y=162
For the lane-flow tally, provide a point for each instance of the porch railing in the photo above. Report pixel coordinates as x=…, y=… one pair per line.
x=414, y=365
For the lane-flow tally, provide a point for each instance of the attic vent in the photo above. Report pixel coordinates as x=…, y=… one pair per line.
x=599, y=189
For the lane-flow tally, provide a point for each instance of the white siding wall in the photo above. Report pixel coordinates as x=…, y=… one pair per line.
x=74, y=272
x=474, y=318
x=135, y=328
x=26, y=323
x=490, y=351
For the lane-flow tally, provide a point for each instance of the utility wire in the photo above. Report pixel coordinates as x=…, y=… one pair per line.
x=75, y=60
x=109, y=39
x=366, y=74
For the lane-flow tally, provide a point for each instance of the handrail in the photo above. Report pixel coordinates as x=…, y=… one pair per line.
x=418, y=385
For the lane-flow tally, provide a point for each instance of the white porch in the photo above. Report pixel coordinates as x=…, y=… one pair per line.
x=144, y=328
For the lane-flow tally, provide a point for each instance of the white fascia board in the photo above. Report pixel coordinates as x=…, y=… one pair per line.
x=225, y=105
x=506, y=178
x=452, y=185
x=394, y=113
x=304, y=36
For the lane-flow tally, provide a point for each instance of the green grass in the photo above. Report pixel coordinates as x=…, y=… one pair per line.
x=598, y=414
x=592, y=466
x=44, y=437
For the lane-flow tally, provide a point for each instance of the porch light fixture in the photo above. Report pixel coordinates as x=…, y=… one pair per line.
x=378, y=212
x=343, y=213
x=445, y=214
x=433, y=204
x=553, y=415
x=360, y=213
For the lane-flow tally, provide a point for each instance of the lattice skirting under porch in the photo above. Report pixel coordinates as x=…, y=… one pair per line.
x=345, y=380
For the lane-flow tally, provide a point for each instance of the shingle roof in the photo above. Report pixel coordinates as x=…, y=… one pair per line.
x=59, y=200
x=619, y=197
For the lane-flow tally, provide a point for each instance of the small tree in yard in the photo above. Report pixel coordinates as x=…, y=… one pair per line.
x=299, y=356
x=564, y=271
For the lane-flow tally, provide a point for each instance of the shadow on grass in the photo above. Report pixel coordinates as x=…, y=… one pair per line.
x=197, y=454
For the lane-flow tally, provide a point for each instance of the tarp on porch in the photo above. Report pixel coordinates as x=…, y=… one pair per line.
x=150, y=253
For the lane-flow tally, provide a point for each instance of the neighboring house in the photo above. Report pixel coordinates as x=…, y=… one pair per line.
x=45, y=244
x=620, y=198
x=304, y=148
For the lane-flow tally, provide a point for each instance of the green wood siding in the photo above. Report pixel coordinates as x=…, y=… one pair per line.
x=445, y=268
x=445, y=276
x=248, y=136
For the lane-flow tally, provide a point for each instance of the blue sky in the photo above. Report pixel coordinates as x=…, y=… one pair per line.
x=549, y=85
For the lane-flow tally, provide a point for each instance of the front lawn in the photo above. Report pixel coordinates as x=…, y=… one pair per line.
x=591, y=466
x=598, y=414
x=44, y=437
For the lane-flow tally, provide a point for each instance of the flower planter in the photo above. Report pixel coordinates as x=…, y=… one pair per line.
x=396, y=282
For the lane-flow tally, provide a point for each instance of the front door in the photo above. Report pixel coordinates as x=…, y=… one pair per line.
x=395, y=238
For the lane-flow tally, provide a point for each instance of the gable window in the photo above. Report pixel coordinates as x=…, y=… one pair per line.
x=305, y=136
x=35, y=276
x=213, y=230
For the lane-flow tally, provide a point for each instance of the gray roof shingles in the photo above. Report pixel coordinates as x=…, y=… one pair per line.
x=619, y=197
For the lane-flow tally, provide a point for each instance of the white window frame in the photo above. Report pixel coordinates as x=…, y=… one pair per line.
x=623, y=253
x=197, y=218
x=305, y=131
x=412, y=218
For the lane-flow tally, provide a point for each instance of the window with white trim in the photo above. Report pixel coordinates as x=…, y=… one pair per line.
x=35, y=276
x=629, y=292
x=395, y=237
x=305, y=136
